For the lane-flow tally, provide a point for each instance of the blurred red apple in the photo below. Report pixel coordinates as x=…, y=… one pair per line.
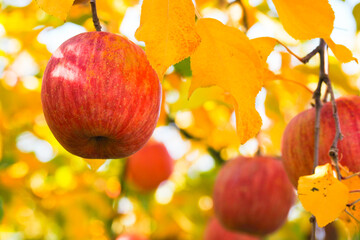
x=253, y=195
x=130, y=236
x=150, y=166
x=100, y=96
x=215, y=231
x=298, y=138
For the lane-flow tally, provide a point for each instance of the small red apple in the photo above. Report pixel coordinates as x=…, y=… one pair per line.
x=130, y=236
x=298, y=138
x=215, y=231
x=253, y=195
x=150, y=166
x=100, y=96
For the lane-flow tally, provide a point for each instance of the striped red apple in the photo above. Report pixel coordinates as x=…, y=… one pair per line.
x=100, y=96
x=298, y=138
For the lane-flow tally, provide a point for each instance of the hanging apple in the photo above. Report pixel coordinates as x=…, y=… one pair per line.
x=253, y=195
x=298, y=138
x=100, y=96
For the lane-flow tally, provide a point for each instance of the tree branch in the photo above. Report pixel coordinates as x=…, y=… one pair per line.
x=95, y=18
x=245, y=18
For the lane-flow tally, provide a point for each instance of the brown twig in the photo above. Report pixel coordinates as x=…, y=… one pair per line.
x=333, y=152
x=95, y=18
x=245, y=18
x=313, y=229
x=305, y=59
x=353, y=203
x=355, y=191
x=350, y=176
x=317, y=96
x=352, y=216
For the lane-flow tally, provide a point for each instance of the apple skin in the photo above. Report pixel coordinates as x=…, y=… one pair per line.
x=150, y=166
x=253, y=195
x=130, y=236
x=100, y=96
x=215, y=231
x=298, y=138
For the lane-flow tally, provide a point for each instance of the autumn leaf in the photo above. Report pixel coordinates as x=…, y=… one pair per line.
x=59, y=9
x=95, y=164
x=168, y=29
x=306, y=19
x=342, y=53
x=226, y=58
x=353, y=183
x=264, y=46
x=319, y=194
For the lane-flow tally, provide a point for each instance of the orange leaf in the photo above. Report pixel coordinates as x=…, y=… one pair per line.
x=264, y=46
x=306, y=19
x=95, y=164
x=226, y=58
x=342, y=53
x=59, y=9
x=168, y=29
x=323, y=195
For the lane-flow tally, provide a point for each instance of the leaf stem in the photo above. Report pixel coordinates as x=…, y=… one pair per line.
x=95, y=17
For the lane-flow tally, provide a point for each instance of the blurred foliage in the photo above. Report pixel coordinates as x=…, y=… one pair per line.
x=47, y=193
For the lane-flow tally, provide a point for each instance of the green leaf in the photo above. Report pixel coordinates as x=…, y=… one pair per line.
x=183, y=68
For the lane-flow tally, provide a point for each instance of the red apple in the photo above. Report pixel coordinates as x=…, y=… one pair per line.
x=130, y=236
x=253, y=195
x=101, y=98
x=298, y=138
x=150, y=166
x=215, y=231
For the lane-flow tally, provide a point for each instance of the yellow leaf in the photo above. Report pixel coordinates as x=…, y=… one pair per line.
x=95, y=164
x=306, y=19
x=226, y=58
x=264, y=46
x=57, y=8
x=342, y=53
x=352, y=183
x=168, y=29
x=323, y=195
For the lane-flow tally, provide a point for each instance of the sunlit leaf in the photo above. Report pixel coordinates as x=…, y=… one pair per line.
x=56, y=8
x=353, y=184
x=306, y=19
x=226, y=58
x=168, y=29
x=342, y=53
x=320, y=194
x=95, y=164
x=264, y=46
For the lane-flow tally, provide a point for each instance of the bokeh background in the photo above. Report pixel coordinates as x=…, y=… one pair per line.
x=47, y=193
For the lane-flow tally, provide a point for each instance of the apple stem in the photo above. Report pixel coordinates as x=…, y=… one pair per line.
x=95, y=16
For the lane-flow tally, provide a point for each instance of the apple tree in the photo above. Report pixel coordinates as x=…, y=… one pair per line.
x=179, y=119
